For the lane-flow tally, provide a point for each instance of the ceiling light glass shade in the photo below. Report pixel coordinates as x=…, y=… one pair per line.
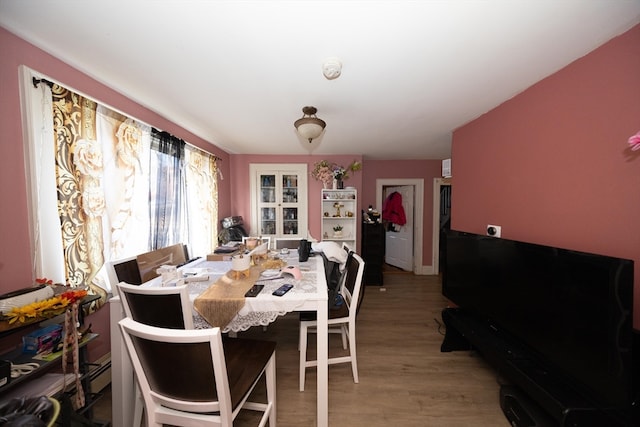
x=309, y=126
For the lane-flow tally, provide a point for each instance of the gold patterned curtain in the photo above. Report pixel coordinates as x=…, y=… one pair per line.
x=100, y=160
x=79, y=182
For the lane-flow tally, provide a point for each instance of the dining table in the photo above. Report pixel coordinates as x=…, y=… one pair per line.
x=217, y=295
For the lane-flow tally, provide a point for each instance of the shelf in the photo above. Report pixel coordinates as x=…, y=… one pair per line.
x=7, y=328
x=49, y=384
x=348, y=200
x=17, y=357
x=46, y=379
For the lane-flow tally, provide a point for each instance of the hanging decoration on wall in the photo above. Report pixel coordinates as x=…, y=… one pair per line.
x=634, y=141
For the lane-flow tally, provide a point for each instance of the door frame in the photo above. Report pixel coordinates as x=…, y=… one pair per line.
x=435, y=250
x=418, y=220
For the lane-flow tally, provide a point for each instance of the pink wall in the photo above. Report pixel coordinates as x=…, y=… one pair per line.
x=414, y=169
x=15, y=251
x=552, y=165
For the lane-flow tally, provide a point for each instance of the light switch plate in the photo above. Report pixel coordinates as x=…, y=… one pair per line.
x=494, y=230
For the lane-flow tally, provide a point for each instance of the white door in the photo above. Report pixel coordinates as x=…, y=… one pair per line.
x=399, y=243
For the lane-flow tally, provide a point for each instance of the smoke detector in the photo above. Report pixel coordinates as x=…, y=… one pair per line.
x=332, y=68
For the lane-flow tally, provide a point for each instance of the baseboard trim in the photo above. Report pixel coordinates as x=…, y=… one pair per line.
x=425, y=270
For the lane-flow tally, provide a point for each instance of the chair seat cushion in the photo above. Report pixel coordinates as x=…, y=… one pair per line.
x=245, y=361
x=308, y=316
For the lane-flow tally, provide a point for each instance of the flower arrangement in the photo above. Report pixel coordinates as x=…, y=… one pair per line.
x=322, y=171
x=326, y=172
x=340, y=173
x=337, y=228
x=634, y=141
x=46, y=308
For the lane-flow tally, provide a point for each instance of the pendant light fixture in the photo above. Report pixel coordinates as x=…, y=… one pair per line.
x=309, y=126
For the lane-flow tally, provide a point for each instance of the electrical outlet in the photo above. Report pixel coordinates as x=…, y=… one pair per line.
x=494, y=230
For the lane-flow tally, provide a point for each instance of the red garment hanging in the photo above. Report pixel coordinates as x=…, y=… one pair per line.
x=392, y=209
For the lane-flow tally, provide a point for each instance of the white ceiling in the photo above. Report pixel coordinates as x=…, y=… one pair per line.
x=237, y=73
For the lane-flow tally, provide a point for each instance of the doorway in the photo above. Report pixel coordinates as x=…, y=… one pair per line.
x=399, y=237
x=441, y=218
x=413, y=245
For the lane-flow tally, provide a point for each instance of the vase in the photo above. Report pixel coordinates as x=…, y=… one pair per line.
x=335, y=184
x=340, y=184
x=337, y=234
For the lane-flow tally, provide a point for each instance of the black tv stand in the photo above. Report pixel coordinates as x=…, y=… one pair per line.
x=521, y=411
x=554, y=400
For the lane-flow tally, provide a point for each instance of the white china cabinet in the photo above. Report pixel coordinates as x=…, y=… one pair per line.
x=279, y=200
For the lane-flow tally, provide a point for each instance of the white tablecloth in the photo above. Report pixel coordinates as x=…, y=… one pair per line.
x=264, y=308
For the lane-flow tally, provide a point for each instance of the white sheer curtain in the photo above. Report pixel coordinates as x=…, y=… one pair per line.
x=126, y=151
x=46, y=245
x=202, y=201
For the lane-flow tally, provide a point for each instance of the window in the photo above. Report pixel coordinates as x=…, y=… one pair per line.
x=109, y=187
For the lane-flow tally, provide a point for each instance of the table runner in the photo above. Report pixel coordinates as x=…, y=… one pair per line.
x=222, y=300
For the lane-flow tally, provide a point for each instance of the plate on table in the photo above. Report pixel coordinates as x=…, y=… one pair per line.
x=272, y=272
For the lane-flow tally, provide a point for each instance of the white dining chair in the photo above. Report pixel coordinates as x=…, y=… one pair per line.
x=163, y=307
x=347, y=248
x=261, y=241
x=189, y=377
x=284, y=243
x=341, y=321
x=123, y=270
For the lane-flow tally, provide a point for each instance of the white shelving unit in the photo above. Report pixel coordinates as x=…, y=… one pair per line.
x=339, y=210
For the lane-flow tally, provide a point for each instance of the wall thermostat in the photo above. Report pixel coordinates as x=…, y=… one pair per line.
x=446, y=168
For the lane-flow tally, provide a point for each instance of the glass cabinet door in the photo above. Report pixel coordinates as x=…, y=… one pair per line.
x=268, y=221
x=279, y=200
x=268, y=204
x=289, y=204
x=268, y=189
x=290, y=221
x=290, y=188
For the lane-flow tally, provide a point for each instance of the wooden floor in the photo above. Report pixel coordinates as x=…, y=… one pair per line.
x=404, y=378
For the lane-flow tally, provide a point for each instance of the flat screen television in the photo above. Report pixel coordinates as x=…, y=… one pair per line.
x=570, y=310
